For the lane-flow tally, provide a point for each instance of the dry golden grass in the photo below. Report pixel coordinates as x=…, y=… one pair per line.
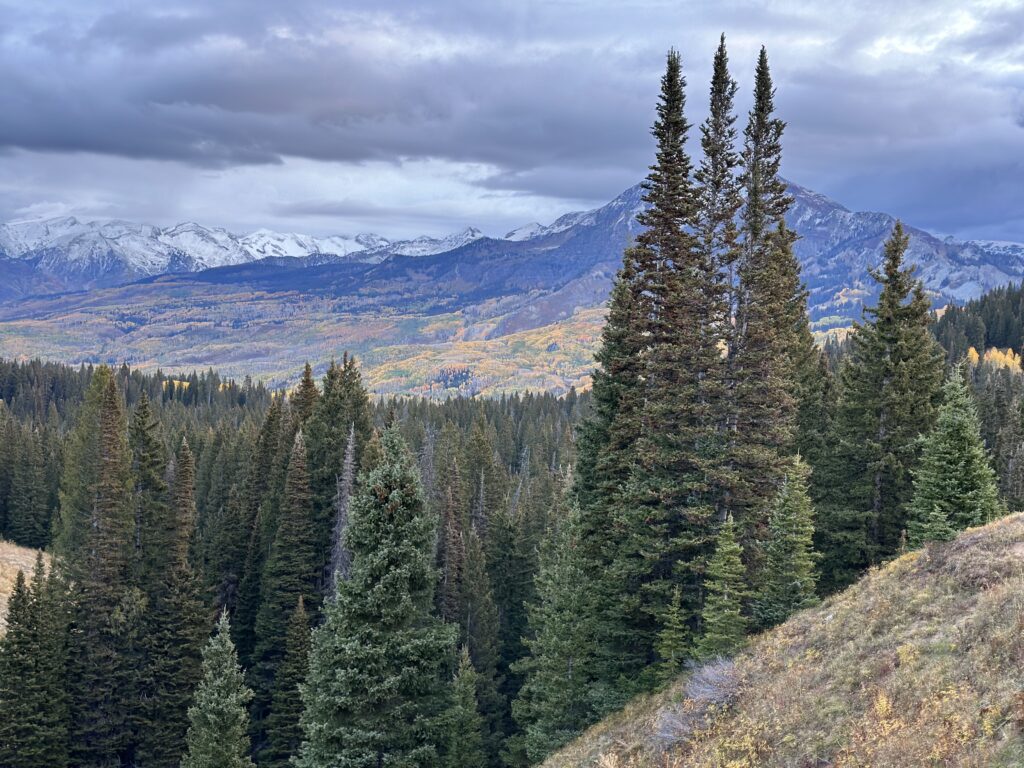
x=919, y=664
x=12, y=559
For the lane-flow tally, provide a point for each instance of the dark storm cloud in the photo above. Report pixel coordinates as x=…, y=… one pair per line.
x=914, y=107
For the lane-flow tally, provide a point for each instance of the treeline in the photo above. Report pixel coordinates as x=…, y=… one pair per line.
x=315, y=578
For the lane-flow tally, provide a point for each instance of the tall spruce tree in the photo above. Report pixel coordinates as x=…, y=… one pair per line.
x=34, y=717
x=479, y=623
x=722, y=621
x=341, y=558
x=954, y=483
x=174, y=624
x=562, y=692
x=770, y=326
x=108, y=609
x=377, y=688
x=342, y=412
x=890, y=386
x=305, y=397
x=218, y=733
x=789, y=577
x=292, y=571
x=283, y=732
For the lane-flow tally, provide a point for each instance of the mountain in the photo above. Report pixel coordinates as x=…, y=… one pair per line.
x=519, y=312
x=69, y=254
x=918, y=664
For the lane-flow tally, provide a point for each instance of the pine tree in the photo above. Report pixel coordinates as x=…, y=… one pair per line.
x=306, y=395
x=342, y=411
x=889, y=387
x=723, y=623
x=789, y=577
x=673, y=644
x=153, y=527
x=108, y=610
x=562, y=693
x=376, y=693
x=218, y=734
x=770, y=325
x=175, y=625
x=452, y=557
x=480, y=624
x=33, y=701
x=283, y=732
x=465, y=744
x=28, y=509
x=292, y=570
x=954, y=483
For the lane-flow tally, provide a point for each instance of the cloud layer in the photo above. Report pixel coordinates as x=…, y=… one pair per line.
x=396, y=115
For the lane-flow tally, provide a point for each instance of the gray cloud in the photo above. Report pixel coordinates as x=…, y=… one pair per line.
x=912, y=107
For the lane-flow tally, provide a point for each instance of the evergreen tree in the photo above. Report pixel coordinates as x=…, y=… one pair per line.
x=175, y=625
x=452, y=557
x=723, y=623
x=770, y=325
x=789, y=577
x=480, y=628
x=291, y=572
x=218, y=734
x=465, y=745
x=889, y=389
x=343, y=411
x=954, y=483
x=33, y=701
x=673, y=645
x=154, y=528
x=376, y=693
x=283, y=732
x=108, y=610
x=562, y=693
x=28, y=508
x=306, y=395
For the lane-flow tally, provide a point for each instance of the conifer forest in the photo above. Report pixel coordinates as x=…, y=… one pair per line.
x=231, y=575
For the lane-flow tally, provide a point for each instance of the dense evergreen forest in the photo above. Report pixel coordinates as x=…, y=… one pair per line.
x=321, y=578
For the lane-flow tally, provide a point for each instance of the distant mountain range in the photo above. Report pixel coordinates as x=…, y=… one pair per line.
x=523, y=310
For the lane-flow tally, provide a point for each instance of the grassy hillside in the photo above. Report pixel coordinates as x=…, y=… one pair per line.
x=12, y=559
x=919, y=664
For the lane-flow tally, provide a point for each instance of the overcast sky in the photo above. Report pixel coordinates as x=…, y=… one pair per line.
x=425, y=117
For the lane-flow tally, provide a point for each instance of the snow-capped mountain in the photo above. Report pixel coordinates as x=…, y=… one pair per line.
x=68, y=253
x=573, y=259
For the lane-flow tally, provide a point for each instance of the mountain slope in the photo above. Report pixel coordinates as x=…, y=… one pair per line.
x=919, y=664
x=425, y=298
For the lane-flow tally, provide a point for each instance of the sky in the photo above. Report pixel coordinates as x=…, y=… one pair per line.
x=425, y=117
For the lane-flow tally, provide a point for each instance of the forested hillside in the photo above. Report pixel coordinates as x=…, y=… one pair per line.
x=317, y=577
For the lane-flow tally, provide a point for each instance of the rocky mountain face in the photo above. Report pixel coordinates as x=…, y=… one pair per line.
x=543, y=272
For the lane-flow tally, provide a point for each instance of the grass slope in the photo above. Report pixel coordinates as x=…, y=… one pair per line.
x=12, y=559
x=919, y=664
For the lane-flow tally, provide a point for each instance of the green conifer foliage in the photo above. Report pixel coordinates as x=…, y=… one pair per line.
x=28, y=504
x=33, y=701
x=465, y=744
x=175, y=624
x=954, y=483
x=218, y=733
x=283, y=732
x=723, y=623
x=561, y=694
x=674, y=640
x=377, y=690
x=292, y=570
x=108, y=610
x=306, y=395
x=789, y=577
x=889, y=390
